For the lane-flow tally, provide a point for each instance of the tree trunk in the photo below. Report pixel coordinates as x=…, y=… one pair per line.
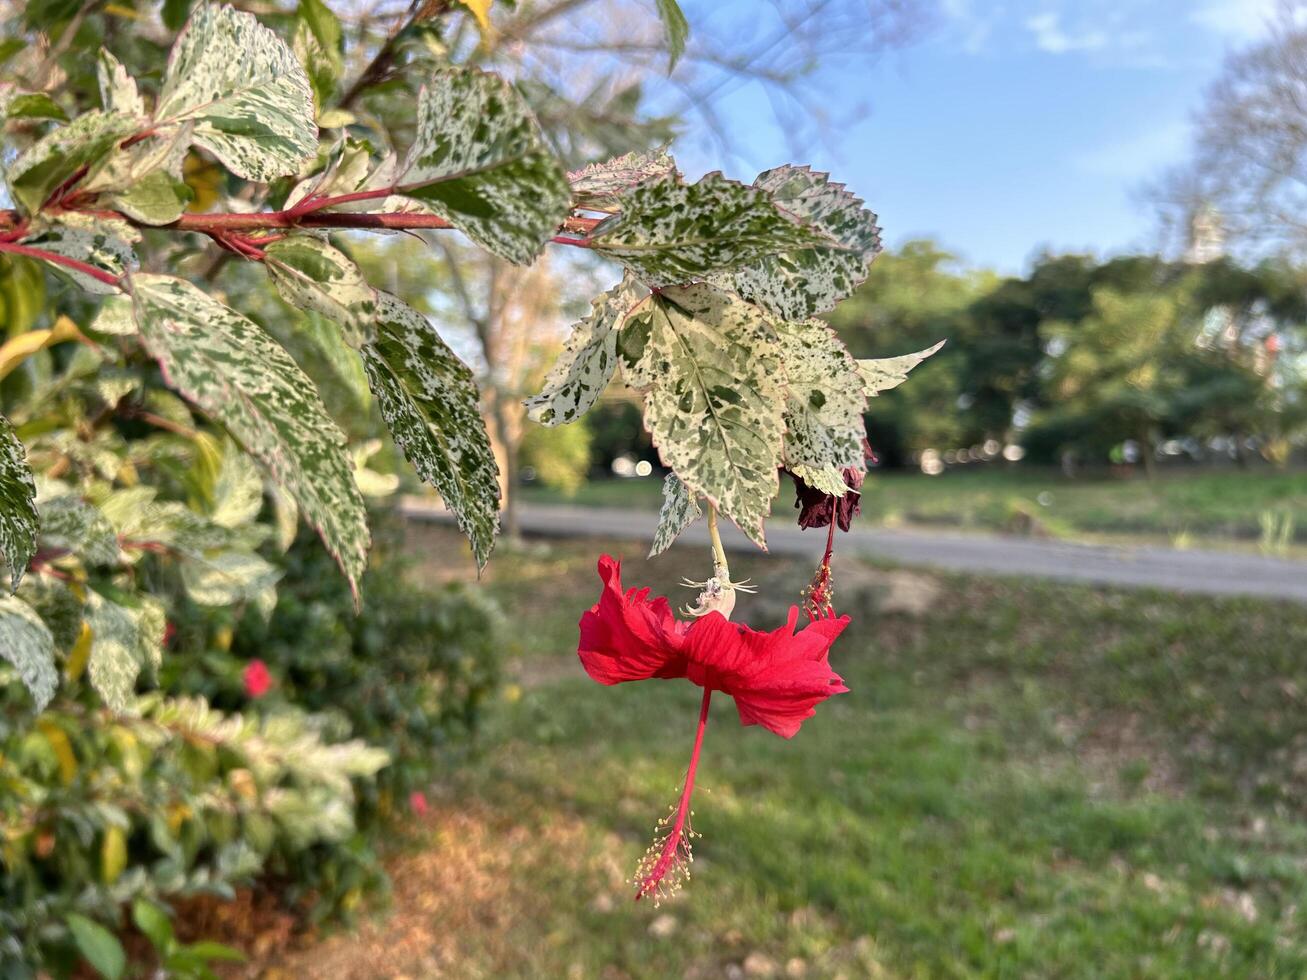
x=1146, y=453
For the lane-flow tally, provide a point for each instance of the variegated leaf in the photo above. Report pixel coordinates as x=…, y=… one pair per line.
x=669, y=232
x=600, y=186
x=311, y=274
x=588, y=360
x=152, y=199
x=883, y=373
x=347, y=169
x=151, y=628
x=711, y=367
x=245, y=91
x=69, y=523
x=115, y=317
x=27, y=644
x=115, y=660
x=824, y=431
x=227, y=578
x=801, y=283
x=18, y=520
x=429, y=400
x=680, y=510
x=480, y=161
x=238, y=490
x=233, y=370
x=103, y=243
x=59, y=154
x=119, y=175
x=118, y=92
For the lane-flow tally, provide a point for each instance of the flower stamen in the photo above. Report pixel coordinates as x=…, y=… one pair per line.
x=665, y=867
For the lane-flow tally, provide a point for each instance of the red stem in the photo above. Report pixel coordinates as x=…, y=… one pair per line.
x=671, y=847
x=107, y=278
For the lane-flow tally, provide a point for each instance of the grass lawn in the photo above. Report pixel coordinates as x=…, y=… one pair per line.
x=1026, y=780
x=1223, y=504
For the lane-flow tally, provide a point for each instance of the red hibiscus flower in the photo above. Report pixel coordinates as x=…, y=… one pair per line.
x=417, y=802
x=777, y=679
x=256, y=679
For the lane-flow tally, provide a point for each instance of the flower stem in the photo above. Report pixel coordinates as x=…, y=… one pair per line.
x=720, y=569
x=675, y=850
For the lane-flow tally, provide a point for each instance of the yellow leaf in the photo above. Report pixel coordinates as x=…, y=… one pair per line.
x=113, y=854
x=79, y=654
x=62, y=748
x=20, y=348
x=481, y=11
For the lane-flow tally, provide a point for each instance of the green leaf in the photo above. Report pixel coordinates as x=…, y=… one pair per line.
x=588, y=360
x=153, y=199
x=883, y=373
x=154, y=923
x=245, y=91
x=680, y=509
x=669, y=232
x=238, y=491
x=232, y=369
x=429, y=400
x=480, y=161
x=824, y=402
x=26, y=642
x=70, y=523
x=118, y=92
x=798, y=284
x=98, y=945
x=711, y=368
x=313, y=275
x=115, y=660
x=317, y=44
x=55, y=157
x=103, y=243
x=33, y=105
x=18, y=519
x=676, y=28
x=600, y=186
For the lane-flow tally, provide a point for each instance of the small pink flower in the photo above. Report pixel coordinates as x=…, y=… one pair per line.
x=256, y=679
x=417, y=802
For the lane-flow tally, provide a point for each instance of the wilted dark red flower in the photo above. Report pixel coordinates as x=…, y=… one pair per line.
x=256, y=679
x=816, y=506
x=777, y=679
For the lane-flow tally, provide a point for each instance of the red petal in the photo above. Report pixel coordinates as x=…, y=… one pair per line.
x=629, y=637
x=776, y=678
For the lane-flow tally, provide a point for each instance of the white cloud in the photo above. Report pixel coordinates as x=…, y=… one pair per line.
x=1139, y=155
x=1051, y=37
x=1238, y=20
x=969, y=28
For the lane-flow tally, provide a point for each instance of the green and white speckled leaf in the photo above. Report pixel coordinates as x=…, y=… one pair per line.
x=237, y=491
x=233, y=370
x=227, y=578
x=480, y=161
x=115, y=660
x=115, y=317
x=53, y=158
x=311, y=274
x=119, y=174
x=588, y=360
x=883, y=373
x=824, y=403
x=27, y=644
x=118, y=92
x=153, y=199
x=69, y=522
x=18, y=520
x=429, y=400
x=600, y=186
x=710, y=365
x=103, y=243
x=669, y=232
x=245, y=91
x=151, y=628
x=680, y=509
x=798, y=284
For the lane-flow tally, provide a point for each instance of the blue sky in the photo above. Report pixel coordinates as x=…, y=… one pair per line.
x=1012, y=126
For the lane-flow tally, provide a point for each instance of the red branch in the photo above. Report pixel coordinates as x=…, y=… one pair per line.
x=108, y=278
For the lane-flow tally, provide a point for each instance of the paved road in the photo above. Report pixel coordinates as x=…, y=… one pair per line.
x=1209, y=572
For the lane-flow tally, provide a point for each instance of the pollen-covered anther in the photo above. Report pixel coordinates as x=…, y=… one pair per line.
x=665, y=867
